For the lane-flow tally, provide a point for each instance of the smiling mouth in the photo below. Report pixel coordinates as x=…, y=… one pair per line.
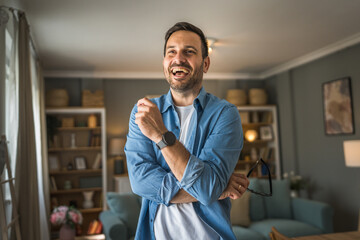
x=179, y=72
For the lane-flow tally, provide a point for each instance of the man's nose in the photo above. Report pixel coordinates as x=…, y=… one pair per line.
x=179, y=57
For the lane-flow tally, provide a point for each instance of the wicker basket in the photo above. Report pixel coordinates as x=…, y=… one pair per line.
x=57, y=98
x=257, y=96
x=95, y=99
x=236, y=97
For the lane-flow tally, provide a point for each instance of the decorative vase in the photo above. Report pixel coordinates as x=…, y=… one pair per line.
x=92, y=121
x=294, y=193
x=67, y=232
x=88, y=202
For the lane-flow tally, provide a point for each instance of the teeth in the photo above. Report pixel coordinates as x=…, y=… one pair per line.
x=174, y=70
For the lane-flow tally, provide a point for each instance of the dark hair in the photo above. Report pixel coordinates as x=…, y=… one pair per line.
x=185, y=26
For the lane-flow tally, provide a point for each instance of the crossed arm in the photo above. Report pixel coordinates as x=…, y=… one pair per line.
x=148, y=121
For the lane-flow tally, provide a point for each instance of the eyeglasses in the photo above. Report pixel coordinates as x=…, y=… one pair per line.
x=269, y=174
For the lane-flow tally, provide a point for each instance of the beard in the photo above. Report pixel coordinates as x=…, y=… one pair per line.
x=186, y=85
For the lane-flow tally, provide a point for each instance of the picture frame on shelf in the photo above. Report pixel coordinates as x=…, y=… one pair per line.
x=54, y=164
x=80, y=163
x=266, y=133
x=338, y=110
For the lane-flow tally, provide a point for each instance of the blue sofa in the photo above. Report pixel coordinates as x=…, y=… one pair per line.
x=291, y=216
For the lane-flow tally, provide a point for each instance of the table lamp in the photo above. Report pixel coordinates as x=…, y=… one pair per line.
x=352, y=157
x=116, y=149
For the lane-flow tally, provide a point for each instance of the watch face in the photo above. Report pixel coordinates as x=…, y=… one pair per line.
x=169, y=138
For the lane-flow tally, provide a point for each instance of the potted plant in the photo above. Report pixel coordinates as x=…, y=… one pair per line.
x=67, y=218
x=297, y=183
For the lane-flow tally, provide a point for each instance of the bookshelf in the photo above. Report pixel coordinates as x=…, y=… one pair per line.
x=77, y=160
x=262, y=120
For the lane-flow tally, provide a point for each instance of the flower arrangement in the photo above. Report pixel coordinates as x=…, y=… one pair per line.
x=66, y=215
x=296, y=181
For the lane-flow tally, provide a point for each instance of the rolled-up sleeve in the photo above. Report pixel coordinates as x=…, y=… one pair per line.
x=207, y=175
x=148, y=179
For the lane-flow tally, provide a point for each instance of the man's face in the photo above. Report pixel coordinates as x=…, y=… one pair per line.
x=183, y=63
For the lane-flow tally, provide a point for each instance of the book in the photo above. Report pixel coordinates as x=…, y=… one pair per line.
x=92, y=227
x=53, y=185
x=97, y=161
x=244, y=116
x=98, y=229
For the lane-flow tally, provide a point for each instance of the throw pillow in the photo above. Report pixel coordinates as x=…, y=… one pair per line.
x=126, y=206
x=239, y=213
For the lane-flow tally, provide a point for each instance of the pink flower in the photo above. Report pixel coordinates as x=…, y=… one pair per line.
x=64, y=214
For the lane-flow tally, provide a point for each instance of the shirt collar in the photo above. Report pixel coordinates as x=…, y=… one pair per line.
x=200, y=99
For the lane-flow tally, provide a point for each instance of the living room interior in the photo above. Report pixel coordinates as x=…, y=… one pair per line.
x=290, y=49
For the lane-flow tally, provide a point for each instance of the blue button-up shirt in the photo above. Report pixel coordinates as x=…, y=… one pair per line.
x=214, y=144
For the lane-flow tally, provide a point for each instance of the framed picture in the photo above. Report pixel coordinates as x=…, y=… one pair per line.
x=80, y=163
x=338, y=113
x=266, y=133
x=54, y=163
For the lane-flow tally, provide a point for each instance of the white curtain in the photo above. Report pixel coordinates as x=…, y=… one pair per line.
x=24, y=128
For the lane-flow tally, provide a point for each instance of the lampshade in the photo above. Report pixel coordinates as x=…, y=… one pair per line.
x=116, y=146
x=352, y=153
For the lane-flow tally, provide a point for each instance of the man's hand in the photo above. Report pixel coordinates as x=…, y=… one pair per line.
x=236, y=187
x=149, y=120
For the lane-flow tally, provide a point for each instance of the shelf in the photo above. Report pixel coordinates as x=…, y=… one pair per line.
x=75, y=190
x=253, y=125
x=91, y=210
x=243, y=162
x=75, y=149
x=78, y=128
x=70, y=172
x=258, y=141
x=121, y=175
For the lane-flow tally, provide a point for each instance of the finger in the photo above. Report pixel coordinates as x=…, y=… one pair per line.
x=145, y=101
x=244, y=183
x=143, y=108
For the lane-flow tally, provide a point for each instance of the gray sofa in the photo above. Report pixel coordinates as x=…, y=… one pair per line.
x=291, y=216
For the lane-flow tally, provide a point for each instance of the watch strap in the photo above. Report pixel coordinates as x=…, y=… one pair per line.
x=161, y=144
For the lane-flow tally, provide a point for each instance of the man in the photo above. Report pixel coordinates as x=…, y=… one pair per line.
x=182, y=149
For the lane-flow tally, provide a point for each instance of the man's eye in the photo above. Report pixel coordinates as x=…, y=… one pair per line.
x=171, y=52
x=190, y=51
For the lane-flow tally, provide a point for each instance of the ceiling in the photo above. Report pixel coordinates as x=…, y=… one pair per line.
x=124, y=38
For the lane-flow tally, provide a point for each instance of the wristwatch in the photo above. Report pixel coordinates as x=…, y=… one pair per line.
x=168, y=139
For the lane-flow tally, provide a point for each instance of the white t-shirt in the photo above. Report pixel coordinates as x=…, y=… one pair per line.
x=180, y=221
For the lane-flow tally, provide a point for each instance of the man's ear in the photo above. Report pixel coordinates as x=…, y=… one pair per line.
x=206, y=64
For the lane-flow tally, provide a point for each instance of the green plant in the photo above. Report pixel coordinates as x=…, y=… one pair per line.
x=52, y=123
x=296, y=181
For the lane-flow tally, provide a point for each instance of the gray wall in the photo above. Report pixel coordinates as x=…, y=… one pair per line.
x=305, y=147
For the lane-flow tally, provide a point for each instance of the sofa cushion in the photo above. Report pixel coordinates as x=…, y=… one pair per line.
x=279, y=204
x=126, y=207
x=239, y=213
x=245, y=233
x=257, y=206
x=288, y=227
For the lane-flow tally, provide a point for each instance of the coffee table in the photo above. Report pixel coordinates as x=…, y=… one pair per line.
x=332, y=236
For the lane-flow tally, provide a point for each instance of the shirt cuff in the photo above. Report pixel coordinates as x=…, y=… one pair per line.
x=169, y=189
x=193, y=170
